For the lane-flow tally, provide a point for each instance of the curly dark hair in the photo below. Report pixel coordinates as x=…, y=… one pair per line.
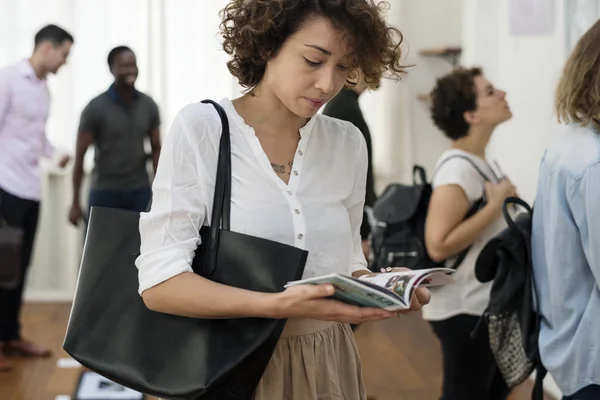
x=254, y=31
x=452, y=96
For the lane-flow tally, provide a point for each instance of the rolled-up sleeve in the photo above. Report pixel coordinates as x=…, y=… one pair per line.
x=356, y=202
x=170, y=231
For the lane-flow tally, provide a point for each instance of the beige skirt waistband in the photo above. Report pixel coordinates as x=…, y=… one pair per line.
x=299, y=327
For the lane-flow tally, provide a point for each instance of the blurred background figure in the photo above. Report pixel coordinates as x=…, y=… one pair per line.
x=118, y=122
x=565, y=237
x=468, y=109
x=24, y=109
x=345, y=106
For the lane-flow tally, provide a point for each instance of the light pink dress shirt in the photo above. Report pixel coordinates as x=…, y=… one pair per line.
x=24, y=108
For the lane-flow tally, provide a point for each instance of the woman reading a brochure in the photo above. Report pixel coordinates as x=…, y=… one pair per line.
x=298, y=177
x=467, y=108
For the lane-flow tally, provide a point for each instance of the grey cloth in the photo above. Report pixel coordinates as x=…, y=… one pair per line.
x=120, y=133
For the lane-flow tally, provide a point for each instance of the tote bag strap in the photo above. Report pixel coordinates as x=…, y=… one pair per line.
x=221, y=211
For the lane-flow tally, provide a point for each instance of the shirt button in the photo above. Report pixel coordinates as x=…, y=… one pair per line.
x=300, y=152
x=289, y=192
x=297, y=211
x=296, y=173
x=300, y=236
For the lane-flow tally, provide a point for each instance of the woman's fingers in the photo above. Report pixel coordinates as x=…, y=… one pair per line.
x=342, y=312
x=420, y=297
x=423, y=295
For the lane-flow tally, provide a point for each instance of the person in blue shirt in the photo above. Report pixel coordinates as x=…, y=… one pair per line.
x=566, y=229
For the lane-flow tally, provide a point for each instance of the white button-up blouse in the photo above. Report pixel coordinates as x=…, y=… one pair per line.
x=320, y=209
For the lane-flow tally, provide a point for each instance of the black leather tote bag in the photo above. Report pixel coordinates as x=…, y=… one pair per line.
x=111, y=331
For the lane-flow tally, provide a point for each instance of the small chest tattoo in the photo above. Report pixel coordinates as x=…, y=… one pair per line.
x=282, y=169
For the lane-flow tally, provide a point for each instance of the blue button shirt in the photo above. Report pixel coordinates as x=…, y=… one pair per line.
x=566, y=258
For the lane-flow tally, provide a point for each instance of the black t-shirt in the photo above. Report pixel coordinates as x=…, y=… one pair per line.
x=120, y=133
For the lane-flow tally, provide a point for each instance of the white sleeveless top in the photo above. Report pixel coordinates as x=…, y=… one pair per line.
x=468, y=295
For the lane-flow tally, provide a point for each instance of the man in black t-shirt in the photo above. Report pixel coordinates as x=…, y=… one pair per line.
x=118, y=123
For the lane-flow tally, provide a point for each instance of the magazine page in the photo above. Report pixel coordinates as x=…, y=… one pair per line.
x=353, y=291
x=436, y=278
x=403, y=283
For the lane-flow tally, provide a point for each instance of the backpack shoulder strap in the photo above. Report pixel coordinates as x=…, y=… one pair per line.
x=468, y=159
x=460, y=257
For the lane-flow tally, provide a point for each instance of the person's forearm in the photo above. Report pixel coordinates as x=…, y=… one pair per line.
x=191, y=295
x=465, y=233
x=155, y=157
x=77, y=178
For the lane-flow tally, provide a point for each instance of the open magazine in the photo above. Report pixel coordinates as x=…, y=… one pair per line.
x=390, y=290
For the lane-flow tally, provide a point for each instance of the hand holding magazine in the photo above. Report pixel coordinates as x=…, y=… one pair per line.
x=390, y=290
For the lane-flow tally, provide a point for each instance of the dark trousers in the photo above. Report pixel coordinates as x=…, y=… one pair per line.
x=591, y=392
x=470, y=371
x=21, y=213
x=134, y=200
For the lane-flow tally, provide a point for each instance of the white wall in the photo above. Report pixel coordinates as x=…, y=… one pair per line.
x=427, y=24
x=527, y=67
x=400, y=124
x=175, y=41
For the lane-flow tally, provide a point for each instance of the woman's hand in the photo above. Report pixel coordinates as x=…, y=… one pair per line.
x=496, y=193
x=420, y=297
x=310, y=301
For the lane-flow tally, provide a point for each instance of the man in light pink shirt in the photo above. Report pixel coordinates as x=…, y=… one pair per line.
x=24, y=108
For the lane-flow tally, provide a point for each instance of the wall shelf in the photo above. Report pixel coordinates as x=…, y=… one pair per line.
x=424, y=97
x=448, y=53
x=451, y=54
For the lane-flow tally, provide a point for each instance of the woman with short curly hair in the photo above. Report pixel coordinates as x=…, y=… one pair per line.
x=298, y=177
x=467, y=108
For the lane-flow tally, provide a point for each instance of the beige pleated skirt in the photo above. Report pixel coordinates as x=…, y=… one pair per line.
x=314, y=360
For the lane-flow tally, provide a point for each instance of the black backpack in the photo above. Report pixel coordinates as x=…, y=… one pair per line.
x=513, y=324
x=398, y=233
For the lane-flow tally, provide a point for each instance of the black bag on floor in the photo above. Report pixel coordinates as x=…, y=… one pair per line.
x=112, y=332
